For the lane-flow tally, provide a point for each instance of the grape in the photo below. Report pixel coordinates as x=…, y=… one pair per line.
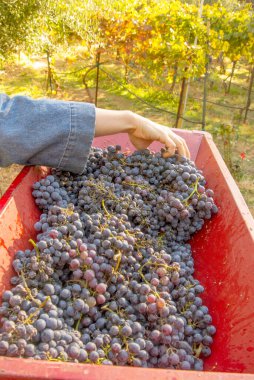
x=155, y=336
x=74, y=350
x=100, y=299
x=160, y=303
x=106, y=362
x=114, y=330
x=49, y=289
x=207, y=340
x=40, y=325
x=211, y=330
x=185, y=365
x=91, y=301
x=134, y=348
x=75, y=264
x=198, y=366
x=123, y=356
x=47, y=335
x=15, y=300
x=8, y=326
x=82, y=355
x=126, y=331
x=93, y=356
x=13, y=350
x=4, y=346
x=90, y=346
x=38, y=226
x=29, y=350
x=101, y=288
x=52, y=323
x=116, y=347
x=100, y=323
x=174, y=359
x=89, y=275
x=166, y=329
x=79, y=304
x=65, y=293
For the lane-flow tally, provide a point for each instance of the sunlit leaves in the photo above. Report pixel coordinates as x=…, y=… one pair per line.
x=146, y=33
x=15, y=22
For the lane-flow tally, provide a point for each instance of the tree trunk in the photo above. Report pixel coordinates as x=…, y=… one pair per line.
x=97, y=78
x=205, y=93
x=231, y=76
x=221, y=62
x=182, y=102
x=49, y=76
x=249, y=95
x=174, y=78
x=126, y=73
x=85, y=84
x=118, y=57
x=249, y=74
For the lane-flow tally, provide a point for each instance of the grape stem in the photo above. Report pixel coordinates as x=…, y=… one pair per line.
x=195, y=190
x=118, y=259
x=198, y=349
x=104, y=208
x=28, y=290
x=29, y=320
x=35, y=247
x=78, y=322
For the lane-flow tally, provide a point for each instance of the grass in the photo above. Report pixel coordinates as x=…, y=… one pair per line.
x=28, y=77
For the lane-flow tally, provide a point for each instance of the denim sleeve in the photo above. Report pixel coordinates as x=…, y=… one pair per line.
x=45, y=132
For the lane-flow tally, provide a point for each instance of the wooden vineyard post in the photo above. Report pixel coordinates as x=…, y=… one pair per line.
x=174, y=78
x=208, y=58
x=249, y=95
x=231, y=76
x=49, y=76
x=97, y=77
x=181, y=106
x=205, y=95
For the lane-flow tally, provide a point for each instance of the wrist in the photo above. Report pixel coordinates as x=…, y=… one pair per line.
x=109, y=122
x=129, y=121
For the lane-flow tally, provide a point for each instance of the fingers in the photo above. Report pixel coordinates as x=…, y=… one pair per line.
x=181, y=145
x=169, y=143
x=173, y=143
x=182, y=148
x=186, y=150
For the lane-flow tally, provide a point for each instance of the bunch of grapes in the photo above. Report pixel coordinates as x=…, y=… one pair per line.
x=110, y=278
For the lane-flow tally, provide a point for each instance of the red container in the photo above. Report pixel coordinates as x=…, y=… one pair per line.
x=224, y=263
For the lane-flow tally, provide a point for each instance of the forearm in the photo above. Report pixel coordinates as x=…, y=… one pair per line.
x=109, y=122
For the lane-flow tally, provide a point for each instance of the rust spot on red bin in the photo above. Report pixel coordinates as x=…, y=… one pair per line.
x=2, y=244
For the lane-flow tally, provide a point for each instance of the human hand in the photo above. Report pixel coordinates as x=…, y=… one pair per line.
x=142, y=131
x=146, y=131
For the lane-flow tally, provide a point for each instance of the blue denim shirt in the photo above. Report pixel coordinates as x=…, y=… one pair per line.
x=45, y=132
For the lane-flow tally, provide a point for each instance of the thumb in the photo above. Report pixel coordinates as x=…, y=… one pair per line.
x=139, y=143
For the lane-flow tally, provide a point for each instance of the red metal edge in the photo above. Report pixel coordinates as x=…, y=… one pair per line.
x=233, y=188
x=8, y=194
x=28, y=369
